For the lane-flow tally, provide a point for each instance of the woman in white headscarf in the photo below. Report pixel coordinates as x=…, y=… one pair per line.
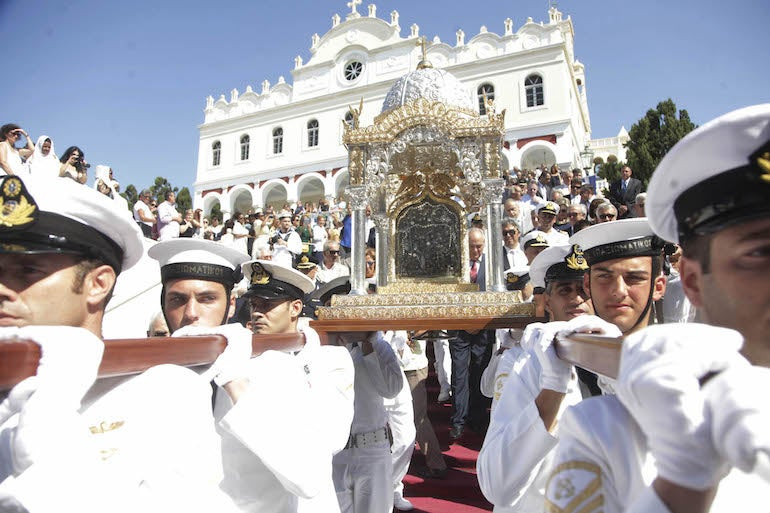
x=104, y=183
x=44, y=163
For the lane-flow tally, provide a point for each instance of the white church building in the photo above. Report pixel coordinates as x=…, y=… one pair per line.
x=283, y=142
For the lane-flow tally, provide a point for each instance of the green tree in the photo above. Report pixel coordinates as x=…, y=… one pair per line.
x=609, y=170
x=161, y=187
x=183, y=199
x=130, y=195
x=652, y=136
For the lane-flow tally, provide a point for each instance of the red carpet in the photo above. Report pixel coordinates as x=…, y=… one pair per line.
x=459, y=492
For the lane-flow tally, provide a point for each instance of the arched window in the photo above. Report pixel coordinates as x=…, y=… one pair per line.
x=533, y=86
x=312, y=133
x=277, y=140
x=245, y=140
x=216, y=150
x=488, y=91
x=349, y=119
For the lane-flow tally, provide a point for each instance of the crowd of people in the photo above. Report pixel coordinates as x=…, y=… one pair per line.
x=324, y=428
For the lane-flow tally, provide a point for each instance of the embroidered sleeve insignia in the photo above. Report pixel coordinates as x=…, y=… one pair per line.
x=574, y=486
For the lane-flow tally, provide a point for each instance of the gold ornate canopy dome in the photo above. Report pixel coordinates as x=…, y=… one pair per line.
x=434, y=85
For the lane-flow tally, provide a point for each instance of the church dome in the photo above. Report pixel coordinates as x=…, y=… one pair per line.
x=434, y=85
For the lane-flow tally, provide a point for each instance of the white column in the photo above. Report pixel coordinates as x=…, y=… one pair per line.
x=492, y=196
x=357, y=195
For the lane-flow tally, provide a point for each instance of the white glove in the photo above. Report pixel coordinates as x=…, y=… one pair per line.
x=740, y=414
x=233, y=362
x=48, y=402
x=658, y=383
x=555, y=373
x=593, y=324
x=69, y=363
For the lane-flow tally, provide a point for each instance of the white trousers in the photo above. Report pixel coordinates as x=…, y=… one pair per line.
x=363, y=479
x=401, y=420
x=443, y=364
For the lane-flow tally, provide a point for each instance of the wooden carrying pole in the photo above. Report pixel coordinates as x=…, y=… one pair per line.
x=597, y=353
x=19, y=358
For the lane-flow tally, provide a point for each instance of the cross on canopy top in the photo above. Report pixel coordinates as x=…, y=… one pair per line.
x=353, y=4
x=422, y=42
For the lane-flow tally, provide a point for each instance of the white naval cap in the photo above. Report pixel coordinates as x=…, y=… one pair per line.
x=283, y=213
x=535, y=238
x=716, y=176
x=187, y=258
x=269, y=280
x=626, y=238
x=517, y=277
x=549, y=207
x=63, y=216
x=558, y=263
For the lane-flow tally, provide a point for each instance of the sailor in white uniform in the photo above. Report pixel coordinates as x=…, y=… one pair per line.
x=287, y=244
x=142, y=443
x=363, y=471
x=669, y=440
x=532, y=388
x=275, y=458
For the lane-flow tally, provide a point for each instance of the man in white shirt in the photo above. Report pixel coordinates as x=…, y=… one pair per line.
x=670, y=454
x=514, y=256
x=532, y=198
x=168, y=218
x=623, y=280
x=363, y=471
x=516, y=209
x=546, y=216
x=519, y=409
x=70, y=442
x=143, y=214
x=320, y=236
x=331, y=267
x=283, y=465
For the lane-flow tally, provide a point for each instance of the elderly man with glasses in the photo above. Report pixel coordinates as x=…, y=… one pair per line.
x=606, y=212
x=331, y=267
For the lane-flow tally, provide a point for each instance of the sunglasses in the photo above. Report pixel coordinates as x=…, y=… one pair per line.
x=336, y=252
x=607, y=216
x=510, y=233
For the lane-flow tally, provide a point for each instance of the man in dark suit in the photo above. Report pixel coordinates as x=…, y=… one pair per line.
x=470, y=356
x=623, y=193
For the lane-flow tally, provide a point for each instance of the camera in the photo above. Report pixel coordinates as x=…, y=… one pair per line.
x=274, y=238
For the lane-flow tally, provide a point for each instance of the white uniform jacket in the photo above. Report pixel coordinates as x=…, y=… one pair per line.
x=150, y=446
x=279, y=438
x=517, y=448
x=330, y=373
x=602, y=464
x=284, y=255
x=378, y=376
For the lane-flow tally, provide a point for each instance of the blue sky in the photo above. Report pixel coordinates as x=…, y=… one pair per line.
x=127, y=81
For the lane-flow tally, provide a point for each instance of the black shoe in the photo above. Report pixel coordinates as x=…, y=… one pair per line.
x=456, y=432
x=432, y=473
